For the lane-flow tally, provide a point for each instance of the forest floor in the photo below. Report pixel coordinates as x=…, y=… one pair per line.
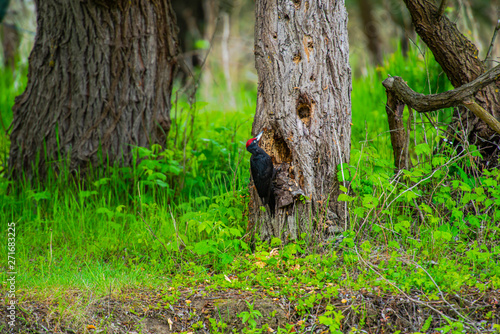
x=220, y=303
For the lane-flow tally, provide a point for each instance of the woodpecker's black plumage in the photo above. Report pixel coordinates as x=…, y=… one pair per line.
x=262, y=170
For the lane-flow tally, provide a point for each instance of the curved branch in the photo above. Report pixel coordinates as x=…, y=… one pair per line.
x=433, y=102
x=452, y=98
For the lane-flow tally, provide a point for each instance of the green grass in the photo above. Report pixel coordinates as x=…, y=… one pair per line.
x=179, y=216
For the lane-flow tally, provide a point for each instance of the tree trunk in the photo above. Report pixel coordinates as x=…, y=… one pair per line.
x=10, y=44
x=399, y=136
x=370, y=29
x=304, y=88
x=459, y=59
x=99, y=82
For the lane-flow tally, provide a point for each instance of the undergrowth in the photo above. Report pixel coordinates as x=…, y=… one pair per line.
x=179, y=215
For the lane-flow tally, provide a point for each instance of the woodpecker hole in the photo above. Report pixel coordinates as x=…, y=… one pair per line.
x=283, y=153
x=296, y=3
x=305, y=108
x=287, y=17
x=297, y=58
x=312, y=78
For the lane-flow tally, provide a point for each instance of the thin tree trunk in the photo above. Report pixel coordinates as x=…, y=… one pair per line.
x=399, y=138
x=100, y=81
x=301, y=51
x=370, y=29
x=10, y=44
x=459, y=59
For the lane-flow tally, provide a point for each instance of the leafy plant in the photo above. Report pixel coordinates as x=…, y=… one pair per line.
x=250, y=316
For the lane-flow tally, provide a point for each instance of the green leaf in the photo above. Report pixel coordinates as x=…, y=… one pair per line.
x=275, y=242
x=422, y=149
x=42, y=195
x=87, y=193
x=345, y=198
x=162, y=184
x=201, y=44
x=102, y=181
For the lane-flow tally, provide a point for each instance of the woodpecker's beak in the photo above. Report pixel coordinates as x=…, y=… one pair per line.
x=259, y=135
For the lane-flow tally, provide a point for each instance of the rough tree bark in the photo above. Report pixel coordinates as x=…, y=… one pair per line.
x=99, y=82
x=399, y=136
x=304, y=88
x=459, y=59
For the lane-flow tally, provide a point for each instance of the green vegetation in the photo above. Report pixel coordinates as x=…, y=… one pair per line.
x=174, y=227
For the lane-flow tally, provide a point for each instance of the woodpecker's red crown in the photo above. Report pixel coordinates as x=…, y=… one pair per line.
x=250, y=141
x=257, y=138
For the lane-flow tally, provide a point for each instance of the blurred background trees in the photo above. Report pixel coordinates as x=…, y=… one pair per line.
x=100, y=80
x=223, y=30
x=216, y=37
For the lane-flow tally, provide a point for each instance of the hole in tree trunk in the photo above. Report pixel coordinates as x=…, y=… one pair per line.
x=282, y=151
x=305, y=108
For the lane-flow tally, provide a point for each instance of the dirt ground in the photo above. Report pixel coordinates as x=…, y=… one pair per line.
x=149, y=311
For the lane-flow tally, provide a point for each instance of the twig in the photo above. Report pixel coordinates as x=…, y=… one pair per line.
x=410, y=298
x=440, y=292
x=492, y=41
x=442, y=8
x=336, y=140
x=422, y=219
x=428, y=177
x=177, y=233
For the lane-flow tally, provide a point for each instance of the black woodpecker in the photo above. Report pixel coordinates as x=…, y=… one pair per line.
x=262, y=170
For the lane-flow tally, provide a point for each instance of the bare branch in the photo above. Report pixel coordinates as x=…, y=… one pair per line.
x=459, y=96
x=493, y=40
x=432, y=102
x=482, y=114
x=442, y=8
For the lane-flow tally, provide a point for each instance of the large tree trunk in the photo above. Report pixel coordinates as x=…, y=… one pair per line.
x=304, y=88
x=460, y=60
x=99, y=82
